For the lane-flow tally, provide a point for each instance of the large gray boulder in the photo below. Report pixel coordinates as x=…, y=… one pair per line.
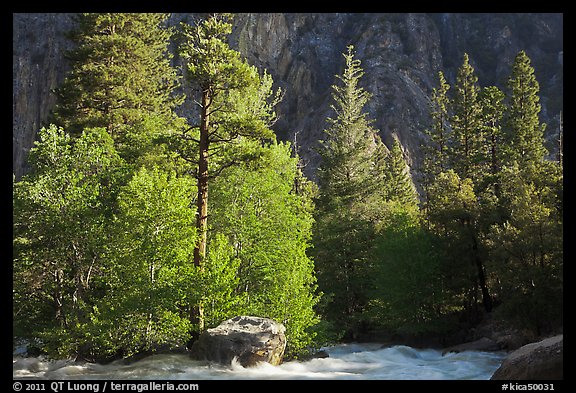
x=541, y=360
x=248, y=339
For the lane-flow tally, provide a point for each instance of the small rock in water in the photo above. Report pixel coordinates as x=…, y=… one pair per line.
x=484, y=344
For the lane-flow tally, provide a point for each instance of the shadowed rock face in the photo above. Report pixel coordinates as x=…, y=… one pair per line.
x=543, y=360
x=38, y=66
x=248, y=339
x=401, y=55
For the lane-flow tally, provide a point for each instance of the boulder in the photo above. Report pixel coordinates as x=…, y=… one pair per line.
x=248, y=339
x=541, y=360
x=483, y=344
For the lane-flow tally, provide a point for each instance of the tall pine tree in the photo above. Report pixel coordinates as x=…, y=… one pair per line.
x=460, y=227
x=527, y=246
x=352, y=185
x=120, y=79
x=399, y=186
x=439, y=133
x=465, y=122
x=236, y=104
x=524, y=132
x=436, y=158
x=353, y=155
x=491, y=100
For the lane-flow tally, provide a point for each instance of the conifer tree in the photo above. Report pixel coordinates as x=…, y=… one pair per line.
x=527, y=246
x=465, y=122
x=465, y=149
x=351, y=193
x=353, y=154
x=437, y=149
x=236, y=103
x=399, y=184
x=492, y=103
x=524, y=132
x=120, y=79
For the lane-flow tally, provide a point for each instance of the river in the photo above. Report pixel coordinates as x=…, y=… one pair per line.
x=345, y=361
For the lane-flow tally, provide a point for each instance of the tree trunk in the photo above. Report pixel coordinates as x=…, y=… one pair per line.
x=486, y=298
x=202, y=200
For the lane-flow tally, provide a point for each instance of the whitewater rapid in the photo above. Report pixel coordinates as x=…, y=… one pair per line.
x=345, y=361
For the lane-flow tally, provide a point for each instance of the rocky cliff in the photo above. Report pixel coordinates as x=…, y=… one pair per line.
x=400, y=53
x=38, y=66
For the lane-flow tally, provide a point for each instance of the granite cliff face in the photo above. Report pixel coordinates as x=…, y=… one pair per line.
x=38, y=66
x=400, y=53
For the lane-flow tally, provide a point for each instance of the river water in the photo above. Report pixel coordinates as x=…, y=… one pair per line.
x=345, y=361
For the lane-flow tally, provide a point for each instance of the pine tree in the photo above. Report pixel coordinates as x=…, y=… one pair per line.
x=465, y=147
x=491, y=158
x=436, y=157
x=465, y=122
x=353, y=155
x=399, y=184
x=527, y=245
x=524, y=133
x=236, y=103
x=437, y=149
x=352, y=185
x=120, y=79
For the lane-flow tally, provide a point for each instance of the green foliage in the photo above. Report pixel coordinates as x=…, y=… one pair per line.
x=453, y=202
x=220, y=282
x=237, y=102
x=61, y=212
x=149, y=278
x=399, y=186
x=236, y=105
x=106, y=228
x=120, y=77
x=364, y=191
x=524, y=133
x=465, y=122
x=409, y=294
x=498, y=206
x=436, y=151
x=210, y=62
x=352, y=168
x=352, y=186
x=491, y=157
x=527, y=248
x=268, y=227
x=454, y=215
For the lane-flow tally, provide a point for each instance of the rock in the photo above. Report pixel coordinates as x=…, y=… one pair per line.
x=507, y=336
x=483, y=344
x=248, y=339
x=320, y=354
x=541, y=360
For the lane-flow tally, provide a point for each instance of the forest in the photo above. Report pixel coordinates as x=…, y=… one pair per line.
x=141, y=224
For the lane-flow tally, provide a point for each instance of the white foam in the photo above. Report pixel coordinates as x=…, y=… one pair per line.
x=346, y=361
